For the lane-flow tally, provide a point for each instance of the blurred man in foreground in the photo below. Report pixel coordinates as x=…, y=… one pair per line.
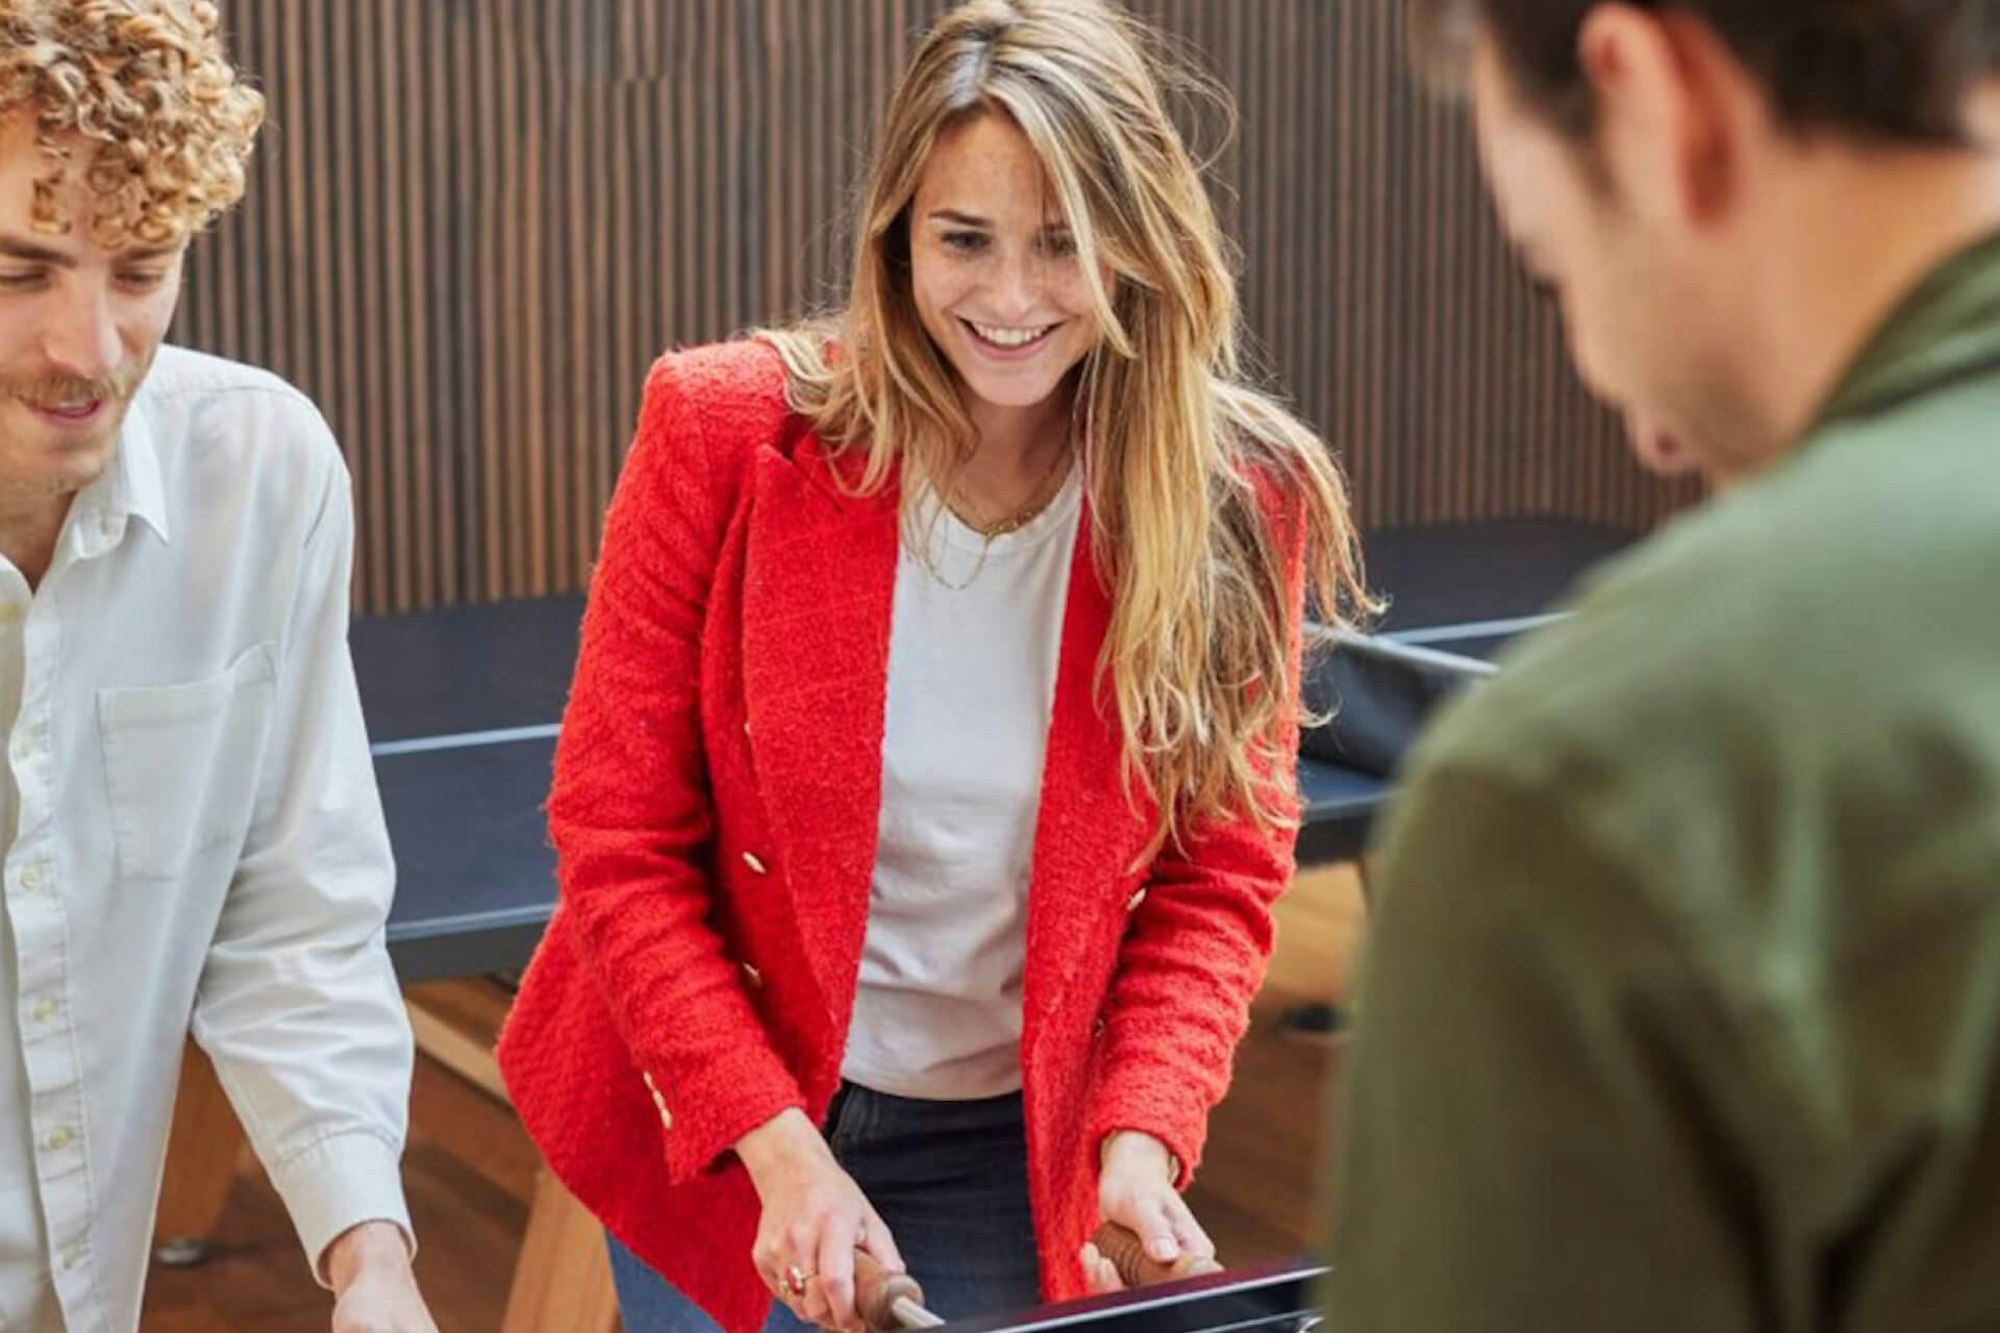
x=1682, y=1009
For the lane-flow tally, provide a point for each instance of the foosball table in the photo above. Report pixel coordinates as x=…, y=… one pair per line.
x=1192, y=1296
x=1266, y=1298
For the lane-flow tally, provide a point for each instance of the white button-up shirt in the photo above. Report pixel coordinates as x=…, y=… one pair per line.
x=193, y=842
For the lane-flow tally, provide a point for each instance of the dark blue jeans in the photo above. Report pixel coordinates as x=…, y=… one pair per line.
x=950, y=1179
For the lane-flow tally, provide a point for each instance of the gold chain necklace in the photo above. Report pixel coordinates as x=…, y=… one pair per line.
x=1043, y=496
x=1038, y=500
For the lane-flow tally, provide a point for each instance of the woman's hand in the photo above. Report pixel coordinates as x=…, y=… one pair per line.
x=1135, y=1188
x=814, y=1218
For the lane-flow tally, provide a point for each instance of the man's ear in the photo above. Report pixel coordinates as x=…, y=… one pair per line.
x=1661, y=82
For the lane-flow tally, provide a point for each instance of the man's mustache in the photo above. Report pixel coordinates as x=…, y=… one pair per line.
x=68, y=390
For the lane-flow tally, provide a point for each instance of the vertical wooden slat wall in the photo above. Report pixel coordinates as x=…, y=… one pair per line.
x=472, y=223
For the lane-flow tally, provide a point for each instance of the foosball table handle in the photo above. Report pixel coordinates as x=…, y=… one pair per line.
x=1127, y=1254
x=888, y=1302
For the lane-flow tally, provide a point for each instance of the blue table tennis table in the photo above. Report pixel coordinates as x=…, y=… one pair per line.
x=463, y=707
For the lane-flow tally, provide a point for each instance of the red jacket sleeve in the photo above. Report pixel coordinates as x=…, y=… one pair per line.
x=630, y=813
x=1198, y=944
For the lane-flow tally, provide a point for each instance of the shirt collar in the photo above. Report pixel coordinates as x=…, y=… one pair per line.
x=1946, y=329
x=130, y=488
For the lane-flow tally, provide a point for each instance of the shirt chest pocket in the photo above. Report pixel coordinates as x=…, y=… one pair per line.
x=181, y=762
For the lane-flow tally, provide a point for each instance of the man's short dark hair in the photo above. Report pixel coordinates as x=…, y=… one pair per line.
x=1896, y=70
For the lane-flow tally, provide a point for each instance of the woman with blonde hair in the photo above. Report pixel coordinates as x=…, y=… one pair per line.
x=927, y=778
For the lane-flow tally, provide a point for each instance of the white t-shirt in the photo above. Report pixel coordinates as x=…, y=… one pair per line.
x=973, y=643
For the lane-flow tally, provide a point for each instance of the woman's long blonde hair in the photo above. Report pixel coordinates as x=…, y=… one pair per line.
x=1181, y=456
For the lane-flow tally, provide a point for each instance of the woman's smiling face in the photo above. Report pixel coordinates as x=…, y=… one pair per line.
x=993, y=270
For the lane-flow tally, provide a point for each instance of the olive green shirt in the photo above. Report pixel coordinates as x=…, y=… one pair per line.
x=1682, y=1003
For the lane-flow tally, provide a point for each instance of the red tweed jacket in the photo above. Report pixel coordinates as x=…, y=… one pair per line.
x=714, y=811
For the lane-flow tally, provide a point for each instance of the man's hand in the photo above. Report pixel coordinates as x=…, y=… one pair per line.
x=374, y=1290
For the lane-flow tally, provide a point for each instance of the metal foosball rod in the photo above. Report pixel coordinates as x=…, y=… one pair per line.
x=891, y=1302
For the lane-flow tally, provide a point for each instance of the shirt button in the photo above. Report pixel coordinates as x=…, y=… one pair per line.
x=31, y=878
x=45, y=1011
x=61, y=1139
x=10, y=613
x=72, y=1255
x=756, y=866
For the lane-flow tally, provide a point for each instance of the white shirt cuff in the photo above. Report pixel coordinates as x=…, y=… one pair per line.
x=339, y=1183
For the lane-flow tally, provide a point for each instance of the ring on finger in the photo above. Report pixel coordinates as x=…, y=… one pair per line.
x=796, y=1279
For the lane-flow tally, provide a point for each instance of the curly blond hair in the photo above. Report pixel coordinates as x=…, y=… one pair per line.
x=145, y=85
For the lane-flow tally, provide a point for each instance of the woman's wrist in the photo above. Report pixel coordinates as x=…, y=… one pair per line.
x=786, y=1137
x=1142, y=1146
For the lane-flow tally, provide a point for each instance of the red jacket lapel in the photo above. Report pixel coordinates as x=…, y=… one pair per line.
x=819, y=582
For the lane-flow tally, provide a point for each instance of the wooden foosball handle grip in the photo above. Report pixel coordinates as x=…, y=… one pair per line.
x=1127, y=1254
x=877, y=1290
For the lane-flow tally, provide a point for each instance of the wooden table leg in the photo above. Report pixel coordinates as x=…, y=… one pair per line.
x=204, y=1151
x=1323, y=1020
x=563, y=1277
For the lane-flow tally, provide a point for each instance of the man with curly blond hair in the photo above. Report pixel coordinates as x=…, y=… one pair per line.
x=192, y=837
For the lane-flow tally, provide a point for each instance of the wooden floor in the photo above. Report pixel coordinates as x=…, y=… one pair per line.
x=470, y=1171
